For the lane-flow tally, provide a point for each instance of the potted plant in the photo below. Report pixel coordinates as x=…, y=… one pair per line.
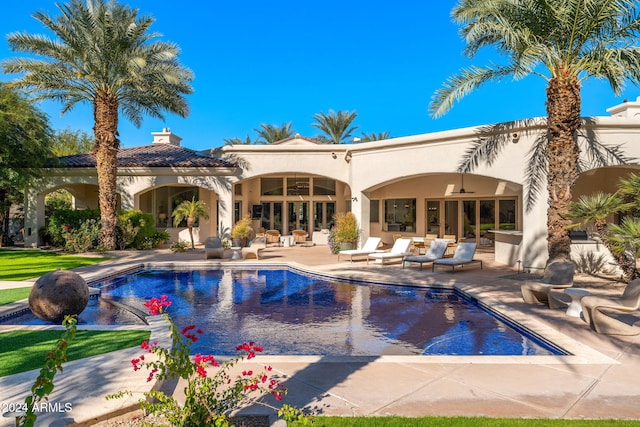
x=346, y=230
x=241, y=231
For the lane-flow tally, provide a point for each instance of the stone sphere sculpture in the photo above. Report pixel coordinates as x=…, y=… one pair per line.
x=57, y=294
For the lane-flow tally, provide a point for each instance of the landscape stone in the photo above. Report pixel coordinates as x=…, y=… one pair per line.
x=57, y=294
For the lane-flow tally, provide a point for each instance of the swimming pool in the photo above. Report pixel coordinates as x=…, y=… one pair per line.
x=292, y=313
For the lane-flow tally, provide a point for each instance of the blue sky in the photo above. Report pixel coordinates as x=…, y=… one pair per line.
x=284, y=61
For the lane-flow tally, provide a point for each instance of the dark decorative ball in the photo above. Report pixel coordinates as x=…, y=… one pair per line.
x=57, y=294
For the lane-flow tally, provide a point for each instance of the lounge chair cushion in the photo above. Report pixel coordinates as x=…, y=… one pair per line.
x=436, y=250
x=369, y=246
x=463, y=255
x=398, y=251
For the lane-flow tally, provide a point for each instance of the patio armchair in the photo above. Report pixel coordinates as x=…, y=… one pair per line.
x=370, y=246
x=608, y=315
x=557, y=276
x=253, y=251
x=299, y=236
x=462, y=256
x=272, y=236
x=398, y=251
x=436, y=250
x=213, y=248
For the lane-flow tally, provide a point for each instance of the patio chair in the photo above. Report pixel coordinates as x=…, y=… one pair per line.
x=557, y=275
x=253, y=251
x=272, y=236
x=436, y=250
x=462, y=256
x=213, y=248
x=299, y=236
x=398, y=251
x=370, y=246
x=451, y=248
x=611, y=321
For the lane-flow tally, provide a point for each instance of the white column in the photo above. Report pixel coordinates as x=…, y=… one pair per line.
x=33, y=217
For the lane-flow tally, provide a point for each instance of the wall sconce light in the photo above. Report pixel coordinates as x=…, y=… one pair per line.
x=347, y=156
x=354, y=199
x=515, y=137
x=334, y=155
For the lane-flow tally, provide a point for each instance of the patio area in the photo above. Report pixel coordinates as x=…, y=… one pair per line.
x=601, y=379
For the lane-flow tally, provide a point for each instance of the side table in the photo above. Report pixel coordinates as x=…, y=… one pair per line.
x=237, y=252
x=575, y=308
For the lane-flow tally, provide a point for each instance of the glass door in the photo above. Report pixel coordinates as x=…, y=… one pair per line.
x=271, y=216
x=433, y=217
x=323, y=215
x=298, y=216
x=469, y=227
x=451, y=218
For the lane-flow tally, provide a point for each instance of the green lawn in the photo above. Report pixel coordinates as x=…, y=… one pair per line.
x=462, y=422
x=27, y=264
x=25, y=350
x=13, y=294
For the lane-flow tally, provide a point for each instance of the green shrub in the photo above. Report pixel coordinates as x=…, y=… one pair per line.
x=63, y=221
x=82, y=238
x=129, y=221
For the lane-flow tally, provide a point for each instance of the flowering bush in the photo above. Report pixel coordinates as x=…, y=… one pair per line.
x=210, y=394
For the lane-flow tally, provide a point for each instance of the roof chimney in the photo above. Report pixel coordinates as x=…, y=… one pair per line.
x=166, y=137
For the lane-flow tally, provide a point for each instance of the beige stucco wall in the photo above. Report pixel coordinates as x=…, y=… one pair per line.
x=418, y=166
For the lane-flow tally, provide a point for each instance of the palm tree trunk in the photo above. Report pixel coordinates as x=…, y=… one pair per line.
x=563, y=121
x=190, y=222
x=106, y=150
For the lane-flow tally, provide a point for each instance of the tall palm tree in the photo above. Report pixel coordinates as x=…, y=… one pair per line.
x=268, y=134
x=564, y=42
x=104, y=55
x=367, y=137
x=597, y=208
x=191, y=210
x=336, y=126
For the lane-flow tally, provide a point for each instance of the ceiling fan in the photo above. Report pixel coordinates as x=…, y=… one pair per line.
x=462, y=189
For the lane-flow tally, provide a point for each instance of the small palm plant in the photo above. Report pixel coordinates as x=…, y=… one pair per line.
x=191, y=210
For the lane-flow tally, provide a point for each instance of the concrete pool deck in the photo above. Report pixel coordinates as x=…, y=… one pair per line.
x=601, y=379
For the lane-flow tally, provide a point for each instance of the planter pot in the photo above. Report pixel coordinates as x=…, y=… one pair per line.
x=241, y=242
x=345, y=246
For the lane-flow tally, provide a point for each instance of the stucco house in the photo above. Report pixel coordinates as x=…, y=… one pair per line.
x=407, y=185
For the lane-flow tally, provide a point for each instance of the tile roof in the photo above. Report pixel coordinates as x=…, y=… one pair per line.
x=153, y=155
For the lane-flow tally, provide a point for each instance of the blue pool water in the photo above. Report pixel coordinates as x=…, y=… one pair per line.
x=296, y=314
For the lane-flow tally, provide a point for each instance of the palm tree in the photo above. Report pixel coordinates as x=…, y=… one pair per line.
x=367, y=137
x=625, y=239
x=238, y=141
x=564, y=42
x=268, y=134
x=191, y=211
x=597, y=208
x=103, y=56
x=336, y=126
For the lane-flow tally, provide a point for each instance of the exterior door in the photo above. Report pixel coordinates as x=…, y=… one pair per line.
x=298, y=216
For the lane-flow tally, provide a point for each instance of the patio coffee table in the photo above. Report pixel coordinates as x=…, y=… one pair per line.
x=575, y=308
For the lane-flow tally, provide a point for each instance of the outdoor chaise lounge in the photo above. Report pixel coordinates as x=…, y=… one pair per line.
x=253, y=251
x=213, y=248
x=557, y=276
x=611, y=321
x=398, y=251
x=462, y=256
x=370, y=246
x=436, y=250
